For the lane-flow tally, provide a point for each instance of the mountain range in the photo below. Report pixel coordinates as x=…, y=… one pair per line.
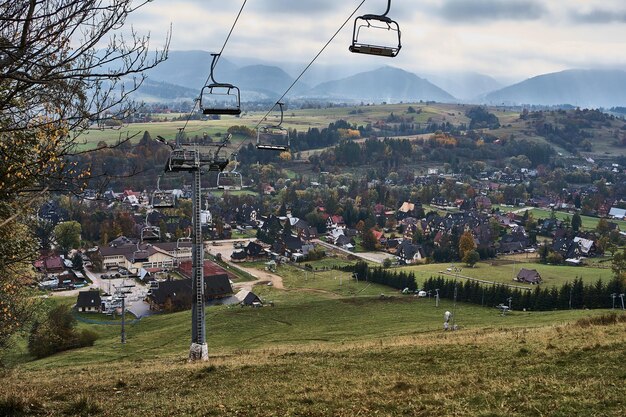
x=183, y=74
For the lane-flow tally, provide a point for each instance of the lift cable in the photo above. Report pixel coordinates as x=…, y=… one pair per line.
x=305, y=70
x=232, y=28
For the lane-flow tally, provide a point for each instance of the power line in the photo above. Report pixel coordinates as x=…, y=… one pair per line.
x=232, y=28
x=305, y=69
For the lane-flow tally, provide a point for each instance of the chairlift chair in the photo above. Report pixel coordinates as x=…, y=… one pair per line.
x=182, y=160
x=373, y=21
x=162, y=199
x=149, y=232
x=230, y=180
x=273, y=137
x=220, y=98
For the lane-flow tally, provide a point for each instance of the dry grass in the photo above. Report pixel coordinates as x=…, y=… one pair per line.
x=565, y=370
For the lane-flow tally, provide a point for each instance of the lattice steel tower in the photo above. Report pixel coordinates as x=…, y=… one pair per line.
x=191, y=160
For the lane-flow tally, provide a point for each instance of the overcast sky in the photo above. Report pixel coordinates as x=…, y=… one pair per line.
x=507, y=39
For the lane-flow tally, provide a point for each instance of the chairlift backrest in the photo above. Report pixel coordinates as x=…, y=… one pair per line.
x=219, y=98
x=376, y=22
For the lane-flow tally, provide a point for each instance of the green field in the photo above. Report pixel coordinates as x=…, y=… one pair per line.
x=317, y=354
x=503, y=271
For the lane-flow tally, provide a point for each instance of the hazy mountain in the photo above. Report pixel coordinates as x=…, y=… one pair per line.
x=191, y=69
x=266, y=80
x=384, y=84
x=584, y=88
x=158, y=91
x=464, y=85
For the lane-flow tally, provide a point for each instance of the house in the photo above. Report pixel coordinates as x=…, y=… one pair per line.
x=238, y=256
x=248, y=298
x=587, y=246
x=217, y=286
x=176, y=295
x=254, y=250
x=89, y=302
x=335, y=222
x=50, y=265
x=135, y=257
x=409, y=252
x=530, y=276
x=617, y=213
x=170, y=295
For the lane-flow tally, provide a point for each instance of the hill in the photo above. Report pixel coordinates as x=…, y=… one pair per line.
x=465, y=86
x=387, y=84
x=264, y=80
x=582, y=88
x=190, y=69
x=314, y=355
x=159, y=91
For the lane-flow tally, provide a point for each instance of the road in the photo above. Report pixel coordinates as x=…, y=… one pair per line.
x=376, y=257
x=226, y=247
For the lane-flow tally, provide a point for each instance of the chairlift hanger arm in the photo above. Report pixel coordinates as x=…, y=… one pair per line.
x=216, y=57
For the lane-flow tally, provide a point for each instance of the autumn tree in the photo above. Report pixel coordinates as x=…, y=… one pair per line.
x=63, y=69
x=466, y=244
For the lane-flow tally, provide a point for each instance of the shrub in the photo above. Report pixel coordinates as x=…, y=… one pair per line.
x=57, y=333
x=83, y=406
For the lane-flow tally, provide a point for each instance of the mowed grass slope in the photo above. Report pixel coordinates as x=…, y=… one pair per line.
x=379, y=357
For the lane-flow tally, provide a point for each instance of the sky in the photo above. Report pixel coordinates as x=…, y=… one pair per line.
x=510, y=40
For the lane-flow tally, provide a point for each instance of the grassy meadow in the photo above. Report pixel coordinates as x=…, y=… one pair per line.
x=504, y=270
x=334, y=346
x=317, y=354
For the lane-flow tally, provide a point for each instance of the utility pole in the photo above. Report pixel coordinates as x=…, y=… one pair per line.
x=454, y=307
x=121, y=293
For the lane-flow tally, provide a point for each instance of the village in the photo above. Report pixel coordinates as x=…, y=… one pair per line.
x=158, y=263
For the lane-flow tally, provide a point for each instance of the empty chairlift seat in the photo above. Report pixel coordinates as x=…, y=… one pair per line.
x=368, y=31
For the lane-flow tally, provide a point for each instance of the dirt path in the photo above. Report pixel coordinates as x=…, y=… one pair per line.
x=261, y=277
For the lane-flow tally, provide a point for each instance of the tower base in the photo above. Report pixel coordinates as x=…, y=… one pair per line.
x=198, y=352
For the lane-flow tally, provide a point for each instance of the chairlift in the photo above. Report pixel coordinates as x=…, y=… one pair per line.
x=372, y=21
x=273, y=137
x=186, y=240
x=230, y=180
x=149, y=232
x=219, y=98
x=162, y=199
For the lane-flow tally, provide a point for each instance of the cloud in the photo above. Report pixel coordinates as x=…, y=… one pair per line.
x=491, y=10
x=299, y=7
x=599, y=16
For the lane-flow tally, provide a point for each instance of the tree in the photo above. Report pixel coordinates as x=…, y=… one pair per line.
x=603, y=227
x=369, y=240
x=471, y=257
x=54, y=84
x=57, y=333
x=77, y=261
x=577, y=222
x=466, y=244
x=67, y=235
x=619, y=266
